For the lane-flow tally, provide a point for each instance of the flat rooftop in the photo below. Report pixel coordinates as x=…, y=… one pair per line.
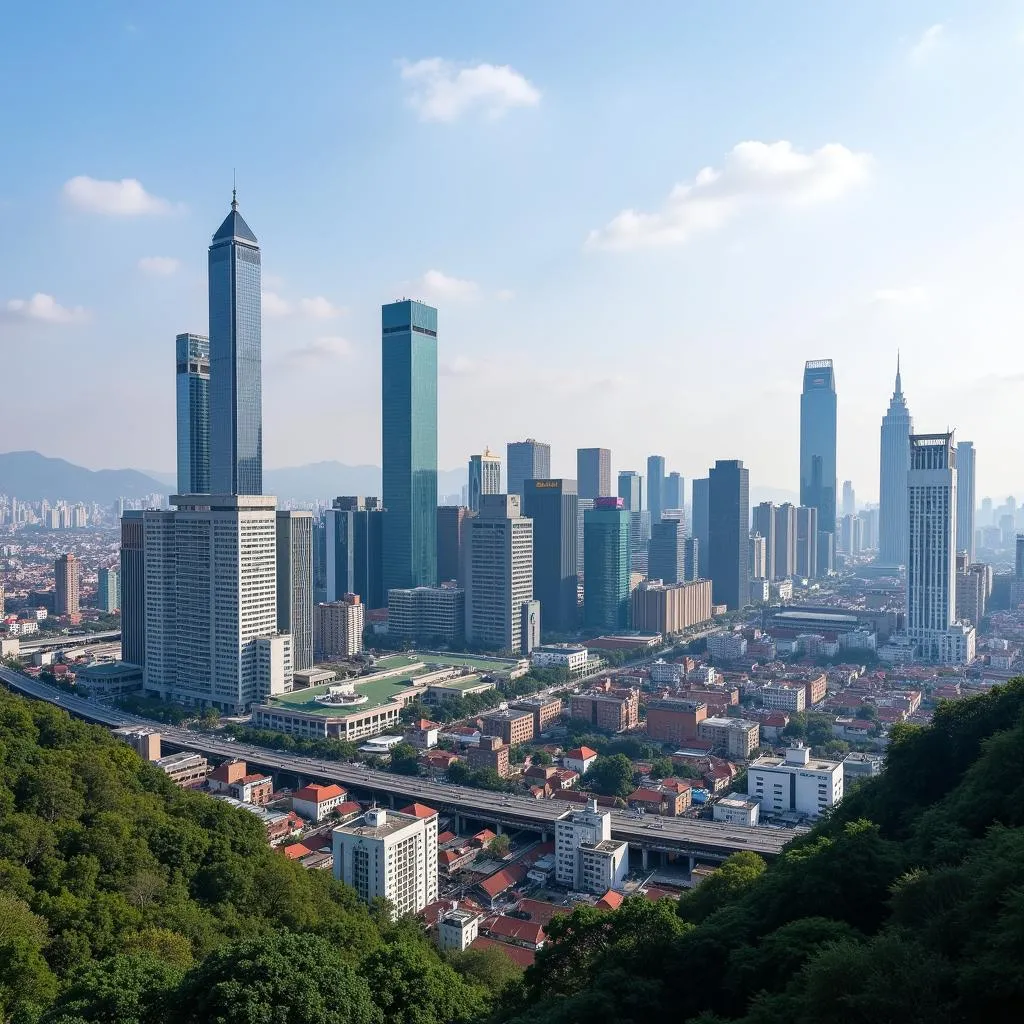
x=394, y=822
x=461, y=683
x=815, y=764
x=442, y=660
x=840, y=618
x=378, y=693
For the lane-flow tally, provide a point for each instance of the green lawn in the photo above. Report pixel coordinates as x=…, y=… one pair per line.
x=379, y=692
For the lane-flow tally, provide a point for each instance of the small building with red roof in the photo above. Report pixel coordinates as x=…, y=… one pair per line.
x=580, y=759
x=315, y=801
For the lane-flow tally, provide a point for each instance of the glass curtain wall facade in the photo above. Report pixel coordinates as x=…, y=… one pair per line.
x=656, y=486
x=606, y=565
x=192, y=361
x=818, y=442
x=729, y=533
x=527, y=460
x=594, y=472
x=553, y=505
x=894, y=462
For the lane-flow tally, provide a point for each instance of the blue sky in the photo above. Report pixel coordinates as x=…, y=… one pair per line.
x=806, y=180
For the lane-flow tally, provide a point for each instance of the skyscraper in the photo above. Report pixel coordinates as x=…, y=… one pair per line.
x=806, y=564
x=452, y=529
x=66, y=571
x=606, y=565
x=527, y=460
x=594, y=472
x=295, y=584
x=785, y=541
x=965, y=498
x=699, y=524
x=484, y=478
x=108, y=592
x=553, y=505
x=409, y=443
x=631, y=490
x=236, y=402
x=133, y=588
x=655, y=486
x=897, y=426
x=192, y=359
x=674, y=496
x=764, y=524
x=849, y=499
x=729, y=532
x=354, y=550
x=818, y=442
x=666, y=552
x=499, y=574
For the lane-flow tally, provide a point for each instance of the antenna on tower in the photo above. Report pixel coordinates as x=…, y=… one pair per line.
x=234, y=191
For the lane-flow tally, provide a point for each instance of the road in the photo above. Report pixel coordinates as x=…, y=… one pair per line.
x=683, y=835
x=56, y=643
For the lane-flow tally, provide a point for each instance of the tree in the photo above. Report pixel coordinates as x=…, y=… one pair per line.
x=610, y=776
x=662, y=768
x=489, y=968
x=404, y=759
x=500, y=846
x=734, y=877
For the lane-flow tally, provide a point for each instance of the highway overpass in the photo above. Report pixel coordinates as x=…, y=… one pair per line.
x=704, y=840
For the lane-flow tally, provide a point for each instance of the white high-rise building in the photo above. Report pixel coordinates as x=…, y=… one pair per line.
x=796, y=782
x=295, y=583
x=390, y=854
x=965, y=498
x=897, y=426
x=484, y=477
x=500, y=573
x=931, y=553
x=586, y=856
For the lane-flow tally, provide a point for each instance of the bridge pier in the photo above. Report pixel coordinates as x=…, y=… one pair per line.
x=498, y=828
x=693, y=863
x=643, y=857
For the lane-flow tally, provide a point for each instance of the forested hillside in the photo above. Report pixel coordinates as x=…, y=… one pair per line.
x=906, y=906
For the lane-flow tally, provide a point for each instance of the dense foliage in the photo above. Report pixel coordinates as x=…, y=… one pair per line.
x=123, y=898
x=906, y=905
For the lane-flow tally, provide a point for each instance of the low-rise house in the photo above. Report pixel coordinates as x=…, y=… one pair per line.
x=580, y=759
x=315, y=802
x=737, y=809
x=514, y=931
x=423, y=734
x=660, y=800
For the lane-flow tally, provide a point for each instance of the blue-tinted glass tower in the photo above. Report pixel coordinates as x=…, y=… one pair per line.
x=236, y=399
x=409, y=443
x=818, y=442
x=192, y=358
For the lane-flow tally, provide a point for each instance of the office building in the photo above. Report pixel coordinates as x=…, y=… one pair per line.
x=66, y=571
x=553, y=505
x=656, y=486
x=826, y=555
x=295, y=584
x=354, y=550
x=796, y=783
x=409, y=443
x=931, y=552
x=849, y=499
x=758, y=558
x=513, y=725
x=587, y=859
x=728, y=529
x=427, y=614
x=666, y=551
x=818, y=442
x=674, y=495
x=583, y=505
x=965, y=498
x=606, y=565
x=869, y=528
x=108, y=591
x=491, y=752
x=275, y=669
x=659, y=607
x=484, y=478
x=674, y=721
x=785, y=548
x=737, y=738
x=764, y=520
x=499, y=573
x=389, y=855
x=893, y=521
x=631, y=490
x=594, y=472
x=133, y=588
x=850, y=540
x=691, y=553
x=699, y=522
x=451, y=535
x=236, y=402
x=192, y=358
x=971, y=595
x=806, y=563
x=527, y=460
x=339, y=626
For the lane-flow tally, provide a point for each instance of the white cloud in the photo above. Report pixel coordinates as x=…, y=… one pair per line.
x=159, y=266
x=460, y=366
x=273, y=305
x=931, y=40
x=505, y=294
x=44, y=308
x=912, y=297
x=124, y=198
x=320, y=350
x=319, y=308
x=438, y=285
x=753, y=173
x=442, y=90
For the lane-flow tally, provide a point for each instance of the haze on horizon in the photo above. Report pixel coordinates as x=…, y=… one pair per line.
x=636, y=224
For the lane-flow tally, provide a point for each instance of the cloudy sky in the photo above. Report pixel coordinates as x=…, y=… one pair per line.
x=637, y=221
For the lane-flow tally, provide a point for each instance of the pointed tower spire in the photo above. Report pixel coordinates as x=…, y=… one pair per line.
x=899, y=382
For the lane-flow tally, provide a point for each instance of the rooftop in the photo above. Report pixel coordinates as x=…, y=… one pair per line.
x=394, y=821
x=378, y=692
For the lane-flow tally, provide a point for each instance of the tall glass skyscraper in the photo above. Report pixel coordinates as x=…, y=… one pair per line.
x=553, y=505
x=606, y=564
x=893, y=522
x=594, y=472
x=965, y=498
x=818, y=442
x=409, y=443
x=527, y=460
x=631, y=490
x=484, y=477
x=192, y=360
x=236, y=402
x=699, y=524
x=729, y=533
x=656, y=486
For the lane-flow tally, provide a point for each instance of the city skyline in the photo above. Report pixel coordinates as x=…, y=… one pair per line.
x=124, y=272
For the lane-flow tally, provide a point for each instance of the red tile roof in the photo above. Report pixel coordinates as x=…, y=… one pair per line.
x=246, y=779
x=646, y=796
x=502, y=880
x=446, y=837
x=517, y=954
x=348, y=807
x=580, y=754
x=503, y=927
x=423, y=724
x=296, y=851
x=541, y=911
x=315, y=793
x=655, y=893
x=484, y=837
x=611, y=900
x=420, y=811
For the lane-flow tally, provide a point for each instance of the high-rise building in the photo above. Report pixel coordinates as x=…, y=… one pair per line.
x=587, y=859
x=699, y=523
x=66, y=571
x=409, y=443
x=666, y=552
x=428, y=615
x=484, y=478
x=192, y=352
x=675, y=496
x=818, y=442
x=869, y=528
x=655, y=486
x=897, y=426
x=758, y=557
x=499, y=573
x=583, y=505
x=691, y=550
x=965, y=498
x=729, y=531
x=354, y=550
x=931, y=553
x=108, y=592
x=785, y=541
x=661, y=607
x=606, y=565
x=631, y=490
x=849, y=499
x=850, y=541
x=133, y=588
x=452, y=526
x=594, y=472
x=527, y=460
x=295, y=584
x=553, y=505
x=236, y=402
x=339, y=627
x=806, y=563
x=764, y=525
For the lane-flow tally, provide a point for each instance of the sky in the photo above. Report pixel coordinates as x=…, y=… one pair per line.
x=637, y=221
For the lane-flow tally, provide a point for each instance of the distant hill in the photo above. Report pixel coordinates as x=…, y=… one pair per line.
x=323, y=480
x=33, y=477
